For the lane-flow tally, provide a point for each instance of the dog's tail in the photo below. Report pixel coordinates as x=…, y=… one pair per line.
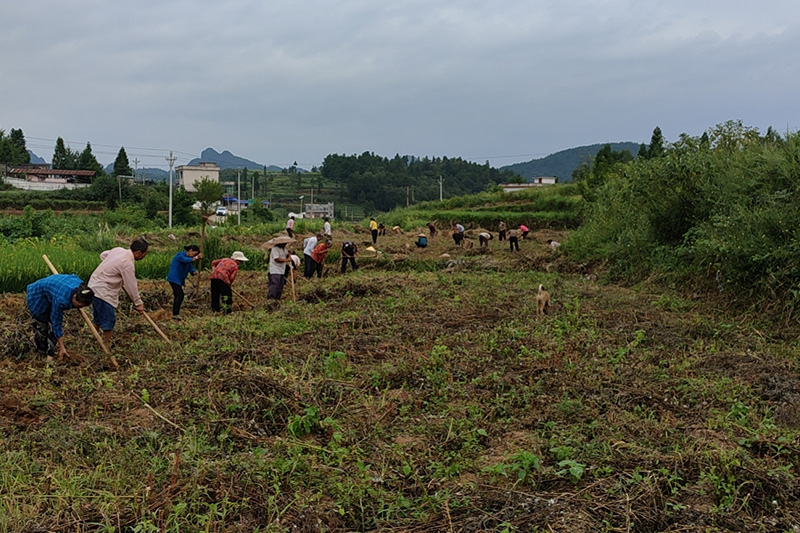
x=541, y=287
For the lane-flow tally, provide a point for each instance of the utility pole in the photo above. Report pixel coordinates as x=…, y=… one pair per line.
x=407, y=192
x=440, y=188
x=239, y=196
x=171, y=161
x=135, y=169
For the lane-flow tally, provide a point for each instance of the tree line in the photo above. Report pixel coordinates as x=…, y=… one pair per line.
x=383, y=184
x=14, y=152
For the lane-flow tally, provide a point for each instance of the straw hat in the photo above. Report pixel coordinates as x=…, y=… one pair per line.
x=238, y=256
x=283, y=239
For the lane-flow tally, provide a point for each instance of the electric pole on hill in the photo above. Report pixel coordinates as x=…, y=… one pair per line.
x=440, y=188
x=171, y=160
x=239, y=196
x=136, y=169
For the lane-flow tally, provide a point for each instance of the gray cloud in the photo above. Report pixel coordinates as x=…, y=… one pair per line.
x=283, y=81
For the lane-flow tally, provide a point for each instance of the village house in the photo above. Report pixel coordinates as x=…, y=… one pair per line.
x=189, y=175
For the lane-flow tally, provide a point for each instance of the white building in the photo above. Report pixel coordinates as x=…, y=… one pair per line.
x=535, y=182
x=189, y=175
x=319, y=211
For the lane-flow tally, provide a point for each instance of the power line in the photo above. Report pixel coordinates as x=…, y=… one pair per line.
x=161, y=150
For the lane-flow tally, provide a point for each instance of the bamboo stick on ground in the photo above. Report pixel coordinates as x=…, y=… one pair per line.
x=86, y=319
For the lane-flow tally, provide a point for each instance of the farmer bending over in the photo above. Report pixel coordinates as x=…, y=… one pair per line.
x=115, y=272
x=223, y=272
x=47, y=300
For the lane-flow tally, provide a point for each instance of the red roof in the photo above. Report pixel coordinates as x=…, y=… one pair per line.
x=33, y=171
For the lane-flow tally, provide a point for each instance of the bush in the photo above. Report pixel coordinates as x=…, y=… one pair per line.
x=721, y=212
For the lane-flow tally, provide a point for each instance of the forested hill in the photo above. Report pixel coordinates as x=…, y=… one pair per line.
x=561, y=164
x=383, y=184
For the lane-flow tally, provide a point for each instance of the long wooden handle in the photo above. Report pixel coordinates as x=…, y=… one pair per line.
x=158, y=329
x=155, y=326
x=86, y=319
x=239, y=295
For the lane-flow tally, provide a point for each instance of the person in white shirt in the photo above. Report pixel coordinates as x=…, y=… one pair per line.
x=326, y=228
x=309, y=265
x=290, y=226
x=278, y=258
x=115, y=272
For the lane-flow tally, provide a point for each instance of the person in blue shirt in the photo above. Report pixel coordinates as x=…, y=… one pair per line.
x=181, y=267
x=47, y=300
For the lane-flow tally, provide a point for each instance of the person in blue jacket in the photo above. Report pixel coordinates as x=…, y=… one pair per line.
x=47, y=300
x=181, y=267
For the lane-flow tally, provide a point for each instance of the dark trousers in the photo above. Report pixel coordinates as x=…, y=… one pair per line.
x=221, y=291
x=43, y=337
x=374, y=236
x=275, y=287
x=483, y=241
x=352, y=262
x=177, y=298
x=512, y=242
x=289, y=232
x=501, y=235
x=320, y=267
x=309, y=266
x=458, y=237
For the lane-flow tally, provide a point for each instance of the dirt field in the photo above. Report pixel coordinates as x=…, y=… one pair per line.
x=422, y=394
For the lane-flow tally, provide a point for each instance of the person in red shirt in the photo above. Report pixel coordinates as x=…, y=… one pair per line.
x=318, y=255
x=222, y=275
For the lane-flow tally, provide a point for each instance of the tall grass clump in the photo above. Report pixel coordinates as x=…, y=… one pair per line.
x=720, y=210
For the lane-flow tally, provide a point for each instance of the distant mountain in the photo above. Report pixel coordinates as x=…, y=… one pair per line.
x=148, y=174
x=36, y=160
x=561, y=164
x=228, y=160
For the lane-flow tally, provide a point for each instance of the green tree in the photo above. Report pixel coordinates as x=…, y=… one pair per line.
x=122, y=166
x=591, y=176
x=656, y=147
x=105, y=189
x=63, y=157
x=182, y=211
x=17, y=139
x=208, y=193
x=87, y=161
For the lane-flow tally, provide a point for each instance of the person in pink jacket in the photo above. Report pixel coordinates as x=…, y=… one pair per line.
x=116, y=271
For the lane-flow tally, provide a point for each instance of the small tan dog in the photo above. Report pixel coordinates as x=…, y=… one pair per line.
x=542, y=301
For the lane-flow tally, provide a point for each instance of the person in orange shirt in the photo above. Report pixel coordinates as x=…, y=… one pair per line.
x=318, y=255
x=223, y=272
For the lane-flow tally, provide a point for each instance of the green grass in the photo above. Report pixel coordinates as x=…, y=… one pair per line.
x=410, y=395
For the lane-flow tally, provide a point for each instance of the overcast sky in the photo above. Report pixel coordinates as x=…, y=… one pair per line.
x=284, y=81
